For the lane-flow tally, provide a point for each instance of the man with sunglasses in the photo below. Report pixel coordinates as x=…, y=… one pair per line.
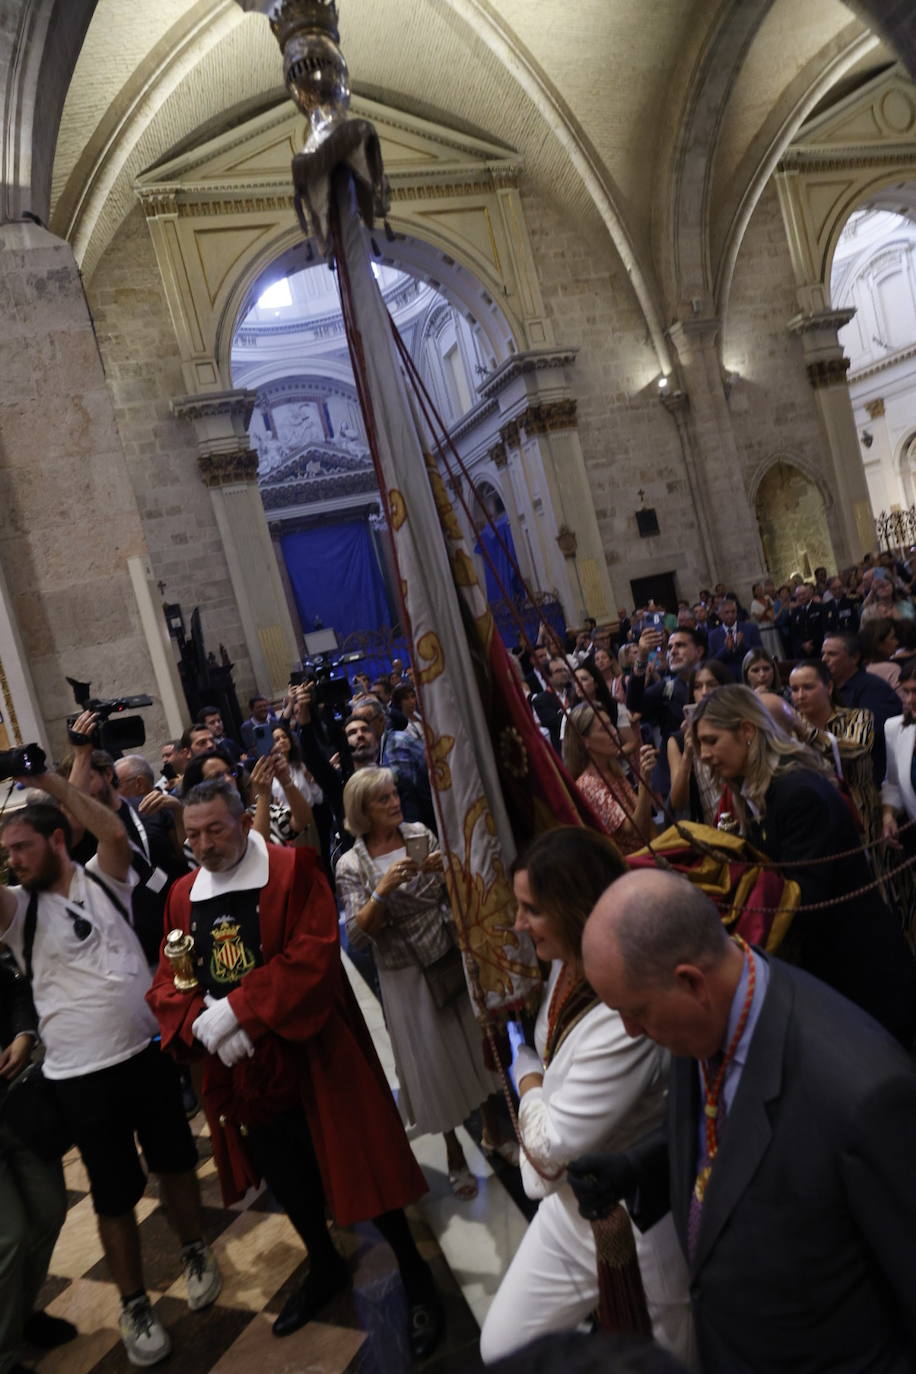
x=68, y=927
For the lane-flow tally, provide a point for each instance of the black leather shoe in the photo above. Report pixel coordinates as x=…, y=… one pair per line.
x=48, y=1332
x=300, y=1307
x=425, y=1325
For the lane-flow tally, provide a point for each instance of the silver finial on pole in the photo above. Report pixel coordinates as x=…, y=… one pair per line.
x=316, y=76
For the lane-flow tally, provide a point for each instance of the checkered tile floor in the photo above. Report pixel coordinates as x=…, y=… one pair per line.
x=262, y=1261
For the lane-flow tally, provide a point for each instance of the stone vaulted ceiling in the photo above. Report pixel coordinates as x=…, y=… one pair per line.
x=657, y=123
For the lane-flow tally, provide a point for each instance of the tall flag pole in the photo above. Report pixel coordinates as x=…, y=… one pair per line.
x=477, y=757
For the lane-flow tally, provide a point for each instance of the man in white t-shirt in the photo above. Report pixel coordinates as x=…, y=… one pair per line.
x=69, y=930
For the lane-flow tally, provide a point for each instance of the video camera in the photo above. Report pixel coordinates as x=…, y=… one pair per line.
x=22, y=763
x=115, y=736
x=332, y=688
x=112, y=706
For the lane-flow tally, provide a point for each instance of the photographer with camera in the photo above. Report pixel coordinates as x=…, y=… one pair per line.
x=156, y=858
x=69, y=930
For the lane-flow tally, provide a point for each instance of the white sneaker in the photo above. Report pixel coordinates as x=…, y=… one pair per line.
x=145, y=1338
x=201, y=1275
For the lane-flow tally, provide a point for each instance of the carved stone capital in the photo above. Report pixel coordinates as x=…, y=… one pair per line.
x=498, y=456
x=827, y=372
x=548, y=416
x=875, y=408
x=228, y=469
x=541, y=417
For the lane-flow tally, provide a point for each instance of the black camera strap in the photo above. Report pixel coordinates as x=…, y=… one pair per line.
x=28, y=933
x=30, y=925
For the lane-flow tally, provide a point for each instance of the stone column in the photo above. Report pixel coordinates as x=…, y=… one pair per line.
x=577, y=536
x=229, y=468
x=69, y=520
x=725, y=519
x=852, y=527
x=499, y=457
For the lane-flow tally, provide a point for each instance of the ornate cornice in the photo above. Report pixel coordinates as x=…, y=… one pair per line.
x=469, y=421
x=520, y=364
x=228, y=469
x=827, y=372
x=233, y=403
x=190, y=200
x=306, y=492
x=844, y=159
x=902, y=355
x=815, y=320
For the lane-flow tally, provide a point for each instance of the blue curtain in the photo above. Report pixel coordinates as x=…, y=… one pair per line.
x=336, y=578
x=502, y=556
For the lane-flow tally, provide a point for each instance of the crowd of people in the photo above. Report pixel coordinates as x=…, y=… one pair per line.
x=658, y=1045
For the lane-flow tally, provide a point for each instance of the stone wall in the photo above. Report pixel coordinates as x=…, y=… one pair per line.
x=142, y=365
x=792, y=524
x=772, y=404
x=629, y=441
x=68, y=514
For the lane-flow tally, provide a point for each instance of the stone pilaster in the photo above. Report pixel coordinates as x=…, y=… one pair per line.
x=69, y=521
x=725, y=519
x=229, y=469
x=852, y=529
x=550, y=486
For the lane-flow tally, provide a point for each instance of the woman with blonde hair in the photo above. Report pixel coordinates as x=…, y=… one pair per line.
x=393, y=895
x=789, y=808
x=593, y=753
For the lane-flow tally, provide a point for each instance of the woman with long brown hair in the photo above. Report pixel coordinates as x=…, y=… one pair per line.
x=585, y=1085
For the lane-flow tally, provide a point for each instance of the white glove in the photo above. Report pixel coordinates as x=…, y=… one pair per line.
x=214, y=1024
x=526, y=1061
x=236, y=1046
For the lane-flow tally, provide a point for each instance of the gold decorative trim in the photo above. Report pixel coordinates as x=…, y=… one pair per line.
x=8, y=699
x=875, y=408
x=226, y=469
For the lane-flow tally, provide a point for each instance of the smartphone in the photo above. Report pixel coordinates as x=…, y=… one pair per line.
x=417, y=847
x=263, y=739
x=657, y=620
x=297, y=677
x=646, y=734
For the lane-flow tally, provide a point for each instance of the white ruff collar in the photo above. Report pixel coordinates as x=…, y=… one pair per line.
x=252, y=870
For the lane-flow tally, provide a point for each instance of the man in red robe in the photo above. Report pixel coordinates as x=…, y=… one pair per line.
x=292, y=1087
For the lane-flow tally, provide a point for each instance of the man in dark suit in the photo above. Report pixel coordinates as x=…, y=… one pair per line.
x=551, y=706
x=732, y=638
x=809, y=620
x=786, y=1157
x=855, y=686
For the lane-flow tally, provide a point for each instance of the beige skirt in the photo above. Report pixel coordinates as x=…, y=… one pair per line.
x=438, y=1053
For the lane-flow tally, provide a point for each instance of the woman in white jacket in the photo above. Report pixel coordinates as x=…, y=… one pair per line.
x=586, y=1085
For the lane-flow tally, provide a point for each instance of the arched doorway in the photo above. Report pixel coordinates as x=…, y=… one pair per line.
x=793, y=523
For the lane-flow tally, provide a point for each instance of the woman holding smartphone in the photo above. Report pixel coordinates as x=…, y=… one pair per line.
x=394, y=899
